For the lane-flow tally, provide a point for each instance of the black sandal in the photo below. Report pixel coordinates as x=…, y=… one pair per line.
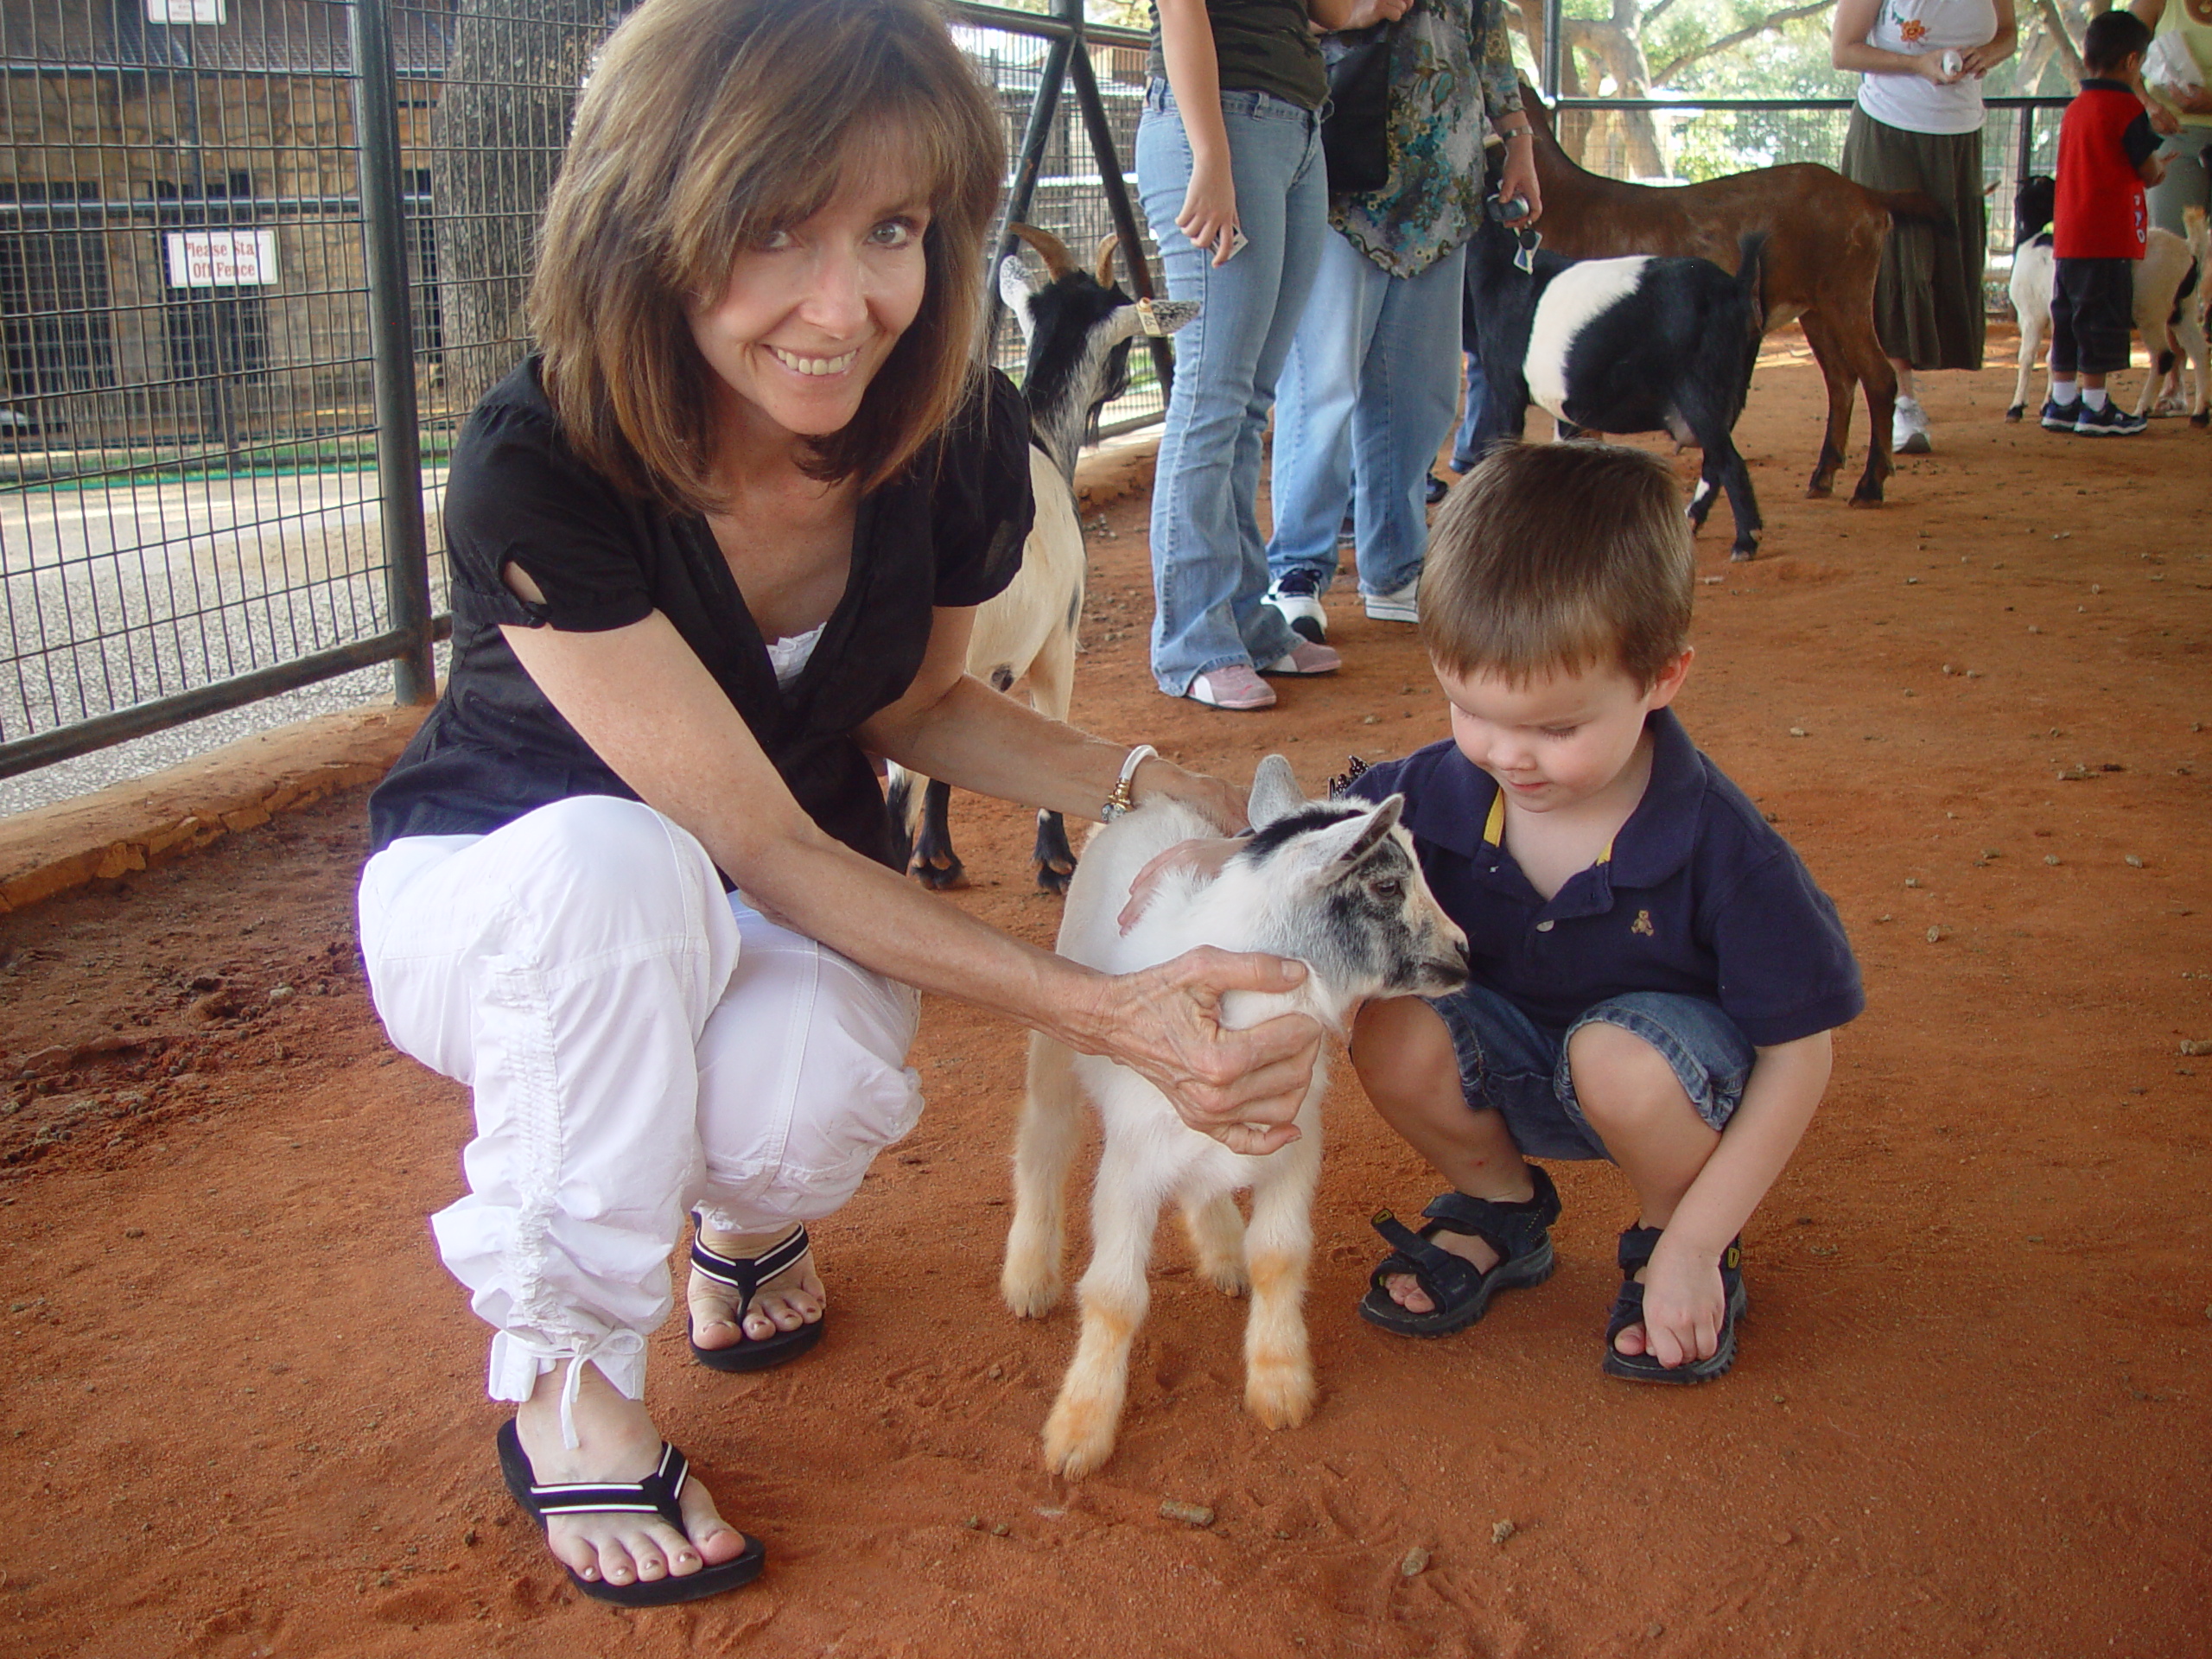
x=1461, y=1291
x=745, y=1275
x=658, y=1493
x=1635, y=1247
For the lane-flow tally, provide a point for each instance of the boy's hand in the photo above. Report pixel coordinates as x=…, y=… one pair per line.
x=1684, y=1307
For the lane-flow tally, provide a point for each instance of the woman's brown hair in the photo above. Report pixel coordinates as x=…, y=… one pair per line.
x=705, y=126
x=1556, y=557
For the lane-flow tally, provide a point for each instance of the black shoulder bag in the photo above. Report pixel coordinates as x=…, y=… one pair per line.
x=1356, y=137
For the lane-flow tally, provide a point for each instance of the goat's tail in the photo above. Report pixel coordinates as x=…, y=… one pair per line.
x=1914, y=204
x=1750, y=277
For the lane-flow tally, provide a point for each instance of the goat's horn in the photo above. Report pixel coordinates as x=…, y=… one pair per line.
x=1053, y=252
x=1106, y=247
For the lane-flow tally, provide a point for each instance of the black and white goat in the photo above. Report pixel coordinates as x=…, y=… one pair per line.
x=1079, y=328
x=1333, y=883
x=1643, y=344
x=2168, y=303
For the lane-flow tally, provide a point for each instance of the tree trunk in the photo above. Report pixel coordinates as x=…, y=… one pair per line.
x=510, y=90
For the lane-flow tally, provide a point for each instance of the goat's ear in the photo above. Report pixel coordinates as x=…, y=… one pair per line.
x=1346, y=845
x=1015, y=286
x=1275, y=794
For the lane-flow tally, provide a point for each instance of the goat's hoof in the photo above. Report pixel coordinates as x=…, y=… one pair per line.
x=1280, y=1394
x=1818, y=490
x=1029, y=1296
x=1865, y=498
x=1227, y=1277
x=2201, y=419
x=941, y=878
x=2014, y=413
x=1078, y=1437
x=1054, y=876
x=1743, y=554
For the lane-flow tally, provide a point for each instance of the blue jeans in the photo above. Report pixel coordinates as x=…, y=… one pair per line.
x=1209, y=561
x=1511, y=1065
x=1368, y=392
x=1473, y=438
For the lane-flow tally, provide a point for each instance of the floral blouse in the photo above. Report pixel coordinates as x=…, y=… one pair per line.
x=1450, y=71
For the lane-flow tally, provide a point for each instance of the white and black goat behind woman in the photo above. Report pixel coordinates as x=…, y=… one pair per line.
x=1079, y=326
x=1641, y=344
x=1333, y=883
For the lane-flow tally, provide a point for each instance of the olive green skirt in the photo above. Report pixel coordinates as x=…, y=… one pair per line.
x=1929, y=307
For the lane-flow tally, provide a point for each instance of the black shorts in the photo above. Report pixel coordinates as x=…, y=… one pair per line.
x=2092, y=315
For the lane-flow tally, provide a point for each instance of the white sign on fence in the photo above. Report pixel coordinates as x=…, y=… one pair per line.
x=184, y=11
x=222, y=258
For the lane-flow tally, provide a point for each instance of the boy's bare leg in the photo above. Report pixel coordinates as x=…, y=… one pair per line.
x=618, y=1442
x=1401, y=1050
x=1629, y=1094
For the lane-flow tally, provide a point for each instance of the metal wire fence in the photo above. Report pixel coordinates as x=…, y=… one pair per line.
x=258, y=258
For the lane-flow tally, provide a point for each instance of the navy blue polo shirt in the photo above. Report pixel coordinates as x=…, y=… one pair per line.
x=1699, y=896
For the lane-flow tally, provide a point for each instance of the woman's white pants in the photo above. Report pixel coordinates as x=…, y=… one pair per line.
x=639, y=1044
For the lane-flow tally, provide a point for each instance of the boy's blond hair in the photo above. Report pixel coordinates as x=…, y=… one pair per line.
x=1555, y=558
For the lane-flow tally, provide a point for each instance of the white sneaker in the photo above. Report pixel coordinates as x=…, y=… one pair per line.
x=1298, y=596
x=1401, y=606
x=1909, y=428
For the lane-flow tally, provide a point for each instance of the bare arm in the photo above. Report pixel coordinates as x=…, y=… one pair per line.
x=952, y=726
x=1681, y=1291
x=1980, y=59
x=1209, y=215
x=645, y=704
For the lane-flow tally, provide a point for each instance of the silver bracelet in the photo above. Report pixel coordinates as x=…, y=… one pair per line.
x=1124, y=795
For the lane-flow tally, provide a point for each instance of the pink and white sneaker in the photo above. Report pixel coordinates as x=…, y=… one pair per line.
x=1306, y=659
x=1233, y=687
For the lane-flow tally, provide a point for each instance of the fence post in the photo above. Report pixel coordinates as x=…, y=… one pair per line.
x=399, y=449
x=1117, y=200
x=1553, y=11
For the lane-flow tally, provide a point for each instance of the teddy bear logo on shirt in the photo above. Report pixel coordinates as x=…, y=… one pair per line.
x=1642, y=925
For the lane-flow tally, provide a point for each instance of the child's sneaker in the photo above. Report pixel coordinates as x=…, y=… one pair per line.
x=2110, y=422
x=2062, y=417
x=1297, y=594
x=1909, y=428
x=1399, y=605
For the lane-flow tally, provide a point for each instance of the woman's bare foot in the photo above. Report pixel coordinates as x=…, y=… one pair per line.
x=617, y=1442
x=792, y=1298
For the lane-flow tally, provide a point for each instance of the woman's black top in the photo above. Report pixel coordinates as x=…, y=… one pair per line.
x=948, y=531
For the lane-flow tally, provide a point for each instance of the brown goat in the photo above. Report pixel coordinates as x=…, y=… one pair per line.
x=1823, y=246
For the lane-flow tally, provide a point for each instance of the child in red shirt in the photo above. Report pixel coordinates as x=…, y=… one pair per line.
x=2107, y=154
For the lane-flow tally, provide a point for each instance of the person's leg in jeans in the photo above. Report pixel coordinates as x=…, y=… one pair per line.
x=1404, y=409
x=1474, y=435
x=1313, y=479
x=1209, y=560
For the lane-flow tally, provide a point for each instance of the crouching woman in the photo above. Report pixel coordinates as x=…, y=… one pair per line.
x=713, y=551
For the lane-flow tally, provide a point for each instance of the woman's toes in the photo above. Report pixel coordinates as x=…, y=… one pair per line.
x=714, y=1538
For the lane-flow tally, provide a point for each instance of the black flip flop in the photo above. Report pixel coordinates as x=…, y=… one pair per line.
x=746, y=1275
x=1635, y=1253
x=1461, y=1291
x=657, y=1494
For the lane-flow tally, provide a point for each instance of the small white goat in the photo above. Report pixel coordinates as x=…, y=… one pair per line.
x=2169, y=278
x=1334, y=884
x=1079, y=329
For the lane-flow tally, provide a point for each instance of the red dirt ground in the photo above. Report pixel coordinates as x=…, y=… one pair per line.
x=240, y=1406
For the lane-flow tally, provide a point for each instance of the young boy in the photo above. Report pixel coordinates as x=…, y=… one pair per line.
x=1656, y=976
x=2107, y=154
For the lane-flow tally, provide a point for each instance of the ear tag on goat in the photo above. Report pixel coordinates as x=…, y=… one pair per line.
x=1148, y=319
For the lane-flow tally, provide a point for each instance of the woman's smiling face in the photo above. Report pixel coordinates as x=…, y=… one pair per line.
x=811, y=312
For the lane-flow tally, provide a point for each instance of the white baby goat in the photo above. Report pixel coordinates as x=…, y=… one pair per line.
x=1333, y=883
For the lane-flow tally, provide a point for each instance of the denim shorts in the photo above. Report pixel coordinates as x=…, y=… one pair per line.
x=1511, y=1065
